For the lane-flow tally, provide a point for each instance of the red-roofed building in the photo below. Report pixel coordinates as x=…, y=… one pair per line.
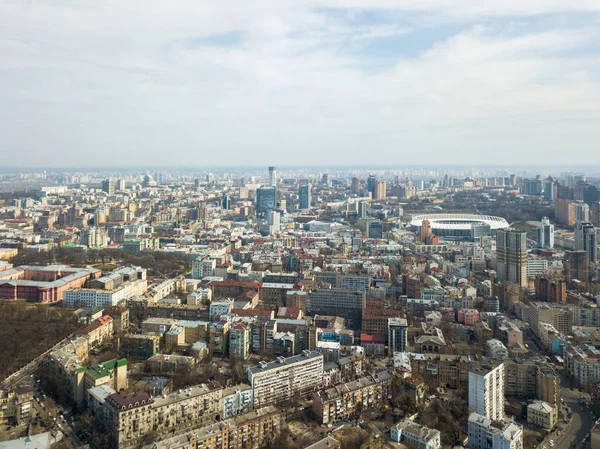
x=98, y=331
x=373, y=344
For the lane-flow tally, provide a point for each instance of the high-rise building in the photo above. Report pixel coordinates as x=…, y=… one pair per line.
x=304, y=196
x=121, y=185
x=586, y=239
x=511, y=256
x=274, y=221
x=325, y=179
x=371, y=181
x=273, y=176
x=545, y=233
x=362, y=209
x=226, y=201
x=397, y=330
x=380, y=190
x=355, y=187
x=577, y=265
x=108, y=186
x=486, y=389
x=582, y=211
x=265, y=199
x=513, y=180
x=375, y=229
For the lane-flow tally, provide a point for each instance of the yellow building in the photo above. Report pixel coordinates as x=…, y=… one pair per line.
x=542, y=414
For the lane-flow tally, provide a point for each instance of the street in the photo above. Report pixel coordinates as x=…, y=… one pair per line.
x=581, y=421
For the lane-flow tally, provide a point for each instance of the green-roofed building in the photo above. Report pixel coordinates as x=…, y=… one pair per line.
x=112, y=372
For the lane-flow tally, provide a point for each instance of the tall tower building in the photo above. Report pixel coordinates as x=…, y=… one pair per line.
x=397, y=330
x=586, y=239
x=577, y=265
x=371, y=181
x=304, y=196
x=380, y=190
x=273, y=176
x=265, y=199
x=355, y=186
x=545, y=233
x=121, y=185
x=511, y=256
x=226, y=201
x=486, y=390
x=108, y=186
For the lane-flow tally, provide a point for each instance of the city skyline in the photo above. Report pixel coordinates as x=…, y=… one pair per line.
x=258, y=84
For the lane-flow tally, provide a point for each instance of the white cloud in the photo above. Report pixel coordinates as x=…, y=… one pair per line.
x=132, y=82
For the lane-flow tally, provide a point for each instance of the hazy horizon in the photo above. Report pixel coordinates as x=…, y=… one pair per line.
x=310, y=84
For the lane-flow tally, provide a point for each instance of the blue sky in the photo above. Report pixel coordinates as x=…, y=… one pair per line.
x=311, y=82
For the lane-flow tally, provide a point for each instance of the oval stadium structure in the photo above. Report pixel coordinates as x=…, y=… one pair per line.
x=460, y=226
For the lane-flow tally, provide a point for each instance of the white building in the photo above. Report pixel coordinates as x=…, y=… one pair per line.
x=495, y=348
x=545, y=233
x=415, y=435
x=237, y=400
x=91, y=297
x=218, y=308
x=203, y=266
x=278, y=380
x=486, y=390
x=487, y=434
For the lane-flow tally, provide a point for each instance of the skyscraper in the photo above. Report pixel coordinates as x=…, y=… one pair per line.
x=380, y=190
x=545, y=233
x=304, y=196
x=511, y=256
x=371, y=181
x=586, y=239
x=355, y=187
x=265, y=199
x=577, y=265
x=226, y=201
x=486, y=390
x=273, y=176
x=108, y=186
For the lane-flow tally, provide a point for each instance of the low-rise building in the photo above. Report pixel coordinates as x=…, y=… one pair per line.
x=487, y=434
x=542, y=414
x=415, y=435
x=340, y=402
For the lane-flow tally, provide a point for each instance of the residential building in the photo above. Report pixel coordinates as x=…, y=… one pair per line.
x=341, y=401
x=511, y=256
x=397, y=331
x=277, y=381
x=486, y=389
x=485, y=433
x=542, y=414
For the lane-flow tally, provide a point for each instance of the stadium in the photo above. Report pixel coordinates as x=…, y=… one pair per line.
x=460, y=226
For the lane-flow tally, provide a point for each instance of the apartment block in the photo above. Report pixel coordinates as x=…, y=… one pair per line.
x=254, y=429
x=277, y=381
x=486, y=390
x=542, y=414
x=340, y=402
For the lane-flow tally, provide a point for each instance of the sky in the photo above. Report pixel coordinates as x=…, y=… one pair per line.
x=306, y=82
